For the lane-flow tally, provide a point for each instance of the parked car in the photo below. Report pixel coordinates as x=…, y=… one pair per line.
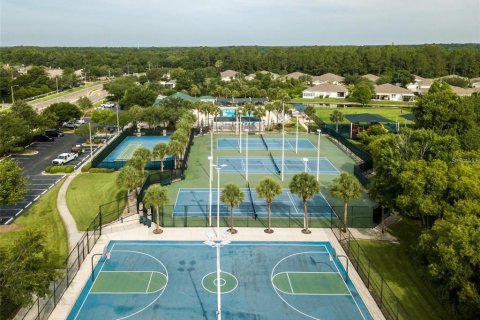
x=80, y=121
x=109, y=104
x=43, y=138
x=54, y=133
x=72, y=124
x=64, y=158
x=77, y=148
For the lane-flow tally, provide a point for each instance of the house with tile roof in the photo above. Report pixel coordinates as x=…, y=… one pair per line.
x=391, y=92
x=252, y=76
x=475, y=82
x=327, y=78
x=325, y=90
x=228, y=75
x=295, y=75
x=371, y=77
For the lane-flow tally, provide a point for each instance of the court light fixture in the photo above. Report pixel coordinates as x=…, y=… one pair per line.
x=318, y=154
x=217, y=244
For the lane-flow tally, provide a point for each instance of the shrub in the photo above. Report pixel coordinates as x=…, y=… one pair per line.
x=59, y=169
x=101, y=170
x=87, y=166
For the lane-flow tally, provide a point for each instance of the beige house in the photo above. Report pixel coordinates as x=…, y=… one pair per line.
x=475, y=82
x=462, y=92
x=252, y=76
x=54, y=73
x=371, y=77
x=228, y=75
x=169, y=83
x=421, y=86
x=295, y=75
x=391, y=92
x=327, y=78
x=325, y=90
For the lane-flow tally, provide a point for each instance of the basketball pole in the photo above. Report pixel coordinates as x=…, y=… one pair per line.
x=283, y=139
x=91, y=147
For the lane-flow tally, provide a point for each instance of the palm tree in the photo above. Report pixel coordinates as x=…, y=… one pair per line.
x=310, y=112
x=198, y=105
x=233, y=196
x=160, y=151
x=305, y=186
x=130, y=178
x=215, y=111
x=268, y=189
x=347, y=188
x=156, y=196
x=337, y=117
x=269, y=107
x=176, y=148
x=140, y=158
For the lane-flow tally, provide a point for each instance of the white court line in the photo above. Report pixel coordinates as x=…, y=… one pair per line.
x=8, y=221
x=290, y=283
x=28, y=204
x=89, y=290
x=291, y=200
x=148, y=285
x=16, y=214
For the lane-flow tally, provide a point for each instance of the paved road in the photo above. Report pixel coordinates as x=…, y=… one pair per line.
x=94, y=93
x=33, y=166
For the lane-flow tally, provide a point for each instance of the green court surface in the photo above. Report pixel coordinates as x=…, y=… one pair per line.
x=197, y=176
x=129, y=282
x=310, y=283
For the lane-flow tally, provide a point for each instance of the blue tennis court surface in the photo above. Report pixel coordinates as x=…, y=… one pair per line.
x=255, y=143
x=259, y=280
x=266, y=165
x=194, y=202
x=127, y=147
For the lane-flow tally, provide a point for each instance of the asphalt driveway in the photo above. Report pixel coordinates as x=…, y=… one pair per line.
x=33, y=166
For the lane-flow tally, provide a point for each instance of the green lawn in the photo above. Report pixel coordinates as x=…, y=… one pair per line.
x=43, y=215
x=396, y=264
x=90, y=190
x=393, y=114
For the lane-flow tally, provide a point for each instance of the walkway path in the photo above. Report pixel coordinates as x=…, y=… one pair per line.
x=70, y=224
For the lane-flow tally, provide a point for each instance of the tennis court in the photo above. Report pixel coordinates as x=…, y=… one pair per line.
x=255, y=143
x=194, y=202
x=259, y=280
x=127, y=147
x=273, y=165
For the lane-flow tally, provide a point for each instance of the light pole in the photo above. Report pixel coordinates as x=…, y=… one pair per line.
x=296, y=138
x=219, y=168
x=283, y=139
x=246, y=154
x=240, y=132
x=318, y=154
x=118, y=121
x=210, y=158
x=91, y=147
x=11, y=89
x=217, y=245
x=305, y=161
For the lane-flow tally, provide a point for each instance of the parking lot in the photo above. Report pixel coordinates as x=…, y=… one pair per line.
x=33, y=166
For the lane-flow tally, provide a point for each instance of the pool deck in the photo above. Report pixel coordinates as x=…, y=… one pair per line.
x=132, y=230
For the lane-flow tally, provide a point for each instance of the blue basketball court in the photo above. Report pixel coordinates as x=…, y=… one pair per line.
x=194, y=202
x=262, y=165
x=258, y=280
x=255, y=143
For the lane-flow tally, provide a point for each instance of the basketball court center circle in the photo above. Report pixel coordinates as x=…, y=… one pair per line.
x=228, y=282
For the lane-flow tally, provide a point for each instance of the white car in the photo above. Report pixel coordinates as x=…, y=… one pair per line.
x=109, y=104
x=63, y=158
x=71, y=124
x=80, y=121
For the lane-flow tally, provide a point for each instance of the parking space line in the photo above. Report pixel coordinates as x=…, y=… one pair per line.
x=8, y=221
x=36, y=198
x=28, y=204
x=21, y=210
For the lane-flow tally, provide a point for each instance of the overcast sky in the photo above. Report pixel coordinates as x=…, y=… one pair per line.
x=118, y=23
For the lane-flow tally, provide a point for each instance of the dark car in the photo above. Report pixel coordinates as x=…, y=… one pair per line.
x=54, y=133
x=43, y=138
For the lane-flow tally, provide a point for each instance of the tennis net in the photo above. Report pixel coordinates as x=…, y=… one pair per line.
x=264, y=142
x=274, y=163
x=251, y=199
